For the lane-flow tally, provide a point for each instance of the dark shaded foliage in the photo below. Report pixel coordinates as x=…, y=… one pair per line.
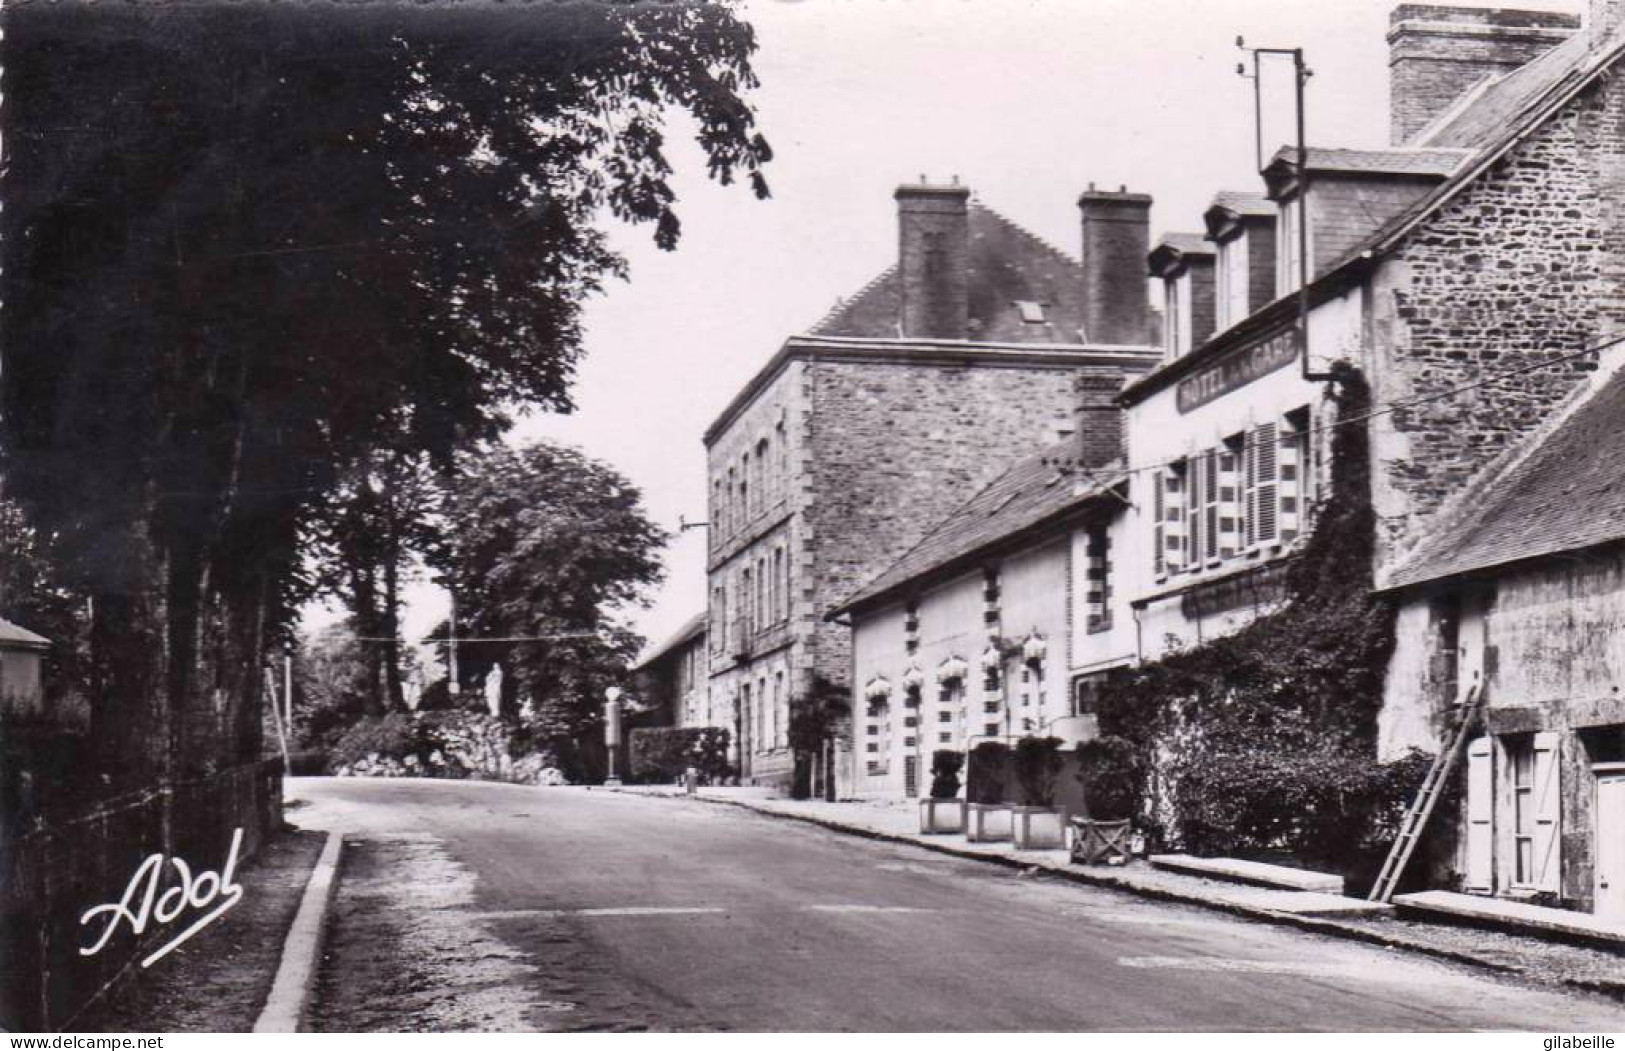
x=1037, y=765
x=662, y=754
x=945, y=767
x=986, y=772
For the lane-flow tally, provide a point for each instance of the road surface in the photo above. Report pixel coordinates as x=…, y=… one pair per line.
x=472, y=906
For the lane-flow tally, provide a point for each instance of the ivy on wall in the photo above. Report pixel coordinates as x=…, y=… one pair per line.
x=1265, y=739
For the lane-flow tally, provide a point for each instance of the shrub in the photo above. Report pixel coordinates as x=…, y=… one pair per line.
x=987, y=772
x=945, y=766
x=1038, y=763
x=1326, y=805
x=662, y=754
x=1112, y=776
x=385, y=737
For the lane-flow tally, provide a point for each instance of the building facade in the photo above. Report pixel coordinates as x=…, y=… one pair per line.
x=671, y=679
x=858, y=437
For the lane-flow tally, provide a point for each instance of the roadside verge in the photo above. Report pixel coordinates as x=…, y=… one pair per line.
x=302, y=949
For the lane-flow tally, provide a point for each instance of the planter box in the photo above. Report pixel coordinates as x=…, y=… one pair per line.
x=987, y=822
x=942, y=816
x=1037, y=828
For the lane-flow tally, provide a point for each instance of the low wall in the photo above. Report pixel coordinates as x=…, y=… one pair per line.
x=51, y=873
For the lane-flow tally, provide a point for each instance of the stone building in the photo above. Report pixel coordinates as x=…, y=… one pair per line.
x=855, y=438
x=967, y=638
x=671, y=679
x=1518, y=594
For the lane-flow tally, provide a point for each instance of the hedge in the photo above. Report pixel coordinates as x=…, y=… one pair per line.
x=661, y=754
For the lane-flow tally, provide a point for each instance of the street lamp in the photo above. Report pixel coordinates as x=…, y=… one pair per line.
x=612, y=731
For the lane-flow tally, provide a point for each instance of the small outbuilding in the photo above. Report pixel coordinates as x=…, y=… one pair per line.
x=22, y=680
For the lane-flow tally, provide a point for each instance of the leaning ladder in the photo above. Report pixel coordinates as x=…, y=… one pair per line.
x=1421, y=808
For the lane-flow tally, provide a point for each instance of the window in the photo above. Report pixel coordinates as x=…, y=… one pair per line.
x=1210, y=504
x=783, y=443
x=746, y=508
x=1173, y=517
x=747, y=612
x=764, y=613
x=761, y=472
x=1176, y=327
x=764, y=717
x=1287, y=255
x=1192, y=555
x=1097, y=590
x=780, y=585
x=1261, y=485
x=1031, y=313
x=1231, y=274
x=1294, y=467
x=731, y=518
x=1513, y=832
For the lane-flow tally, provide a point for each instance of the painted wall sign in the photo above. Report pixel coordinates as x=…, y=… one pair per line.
x=1237, y=369
x=142, y=903
x=1263, y=586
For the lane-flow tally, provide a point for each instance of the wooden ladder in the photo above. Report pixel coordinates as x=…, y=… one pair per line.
x=1421, y=808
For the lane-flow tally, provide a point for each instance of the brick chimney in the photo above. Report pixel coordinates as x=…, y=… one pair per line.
x=1437, y=54
x=1100, y=419
x=933, y=260
x=1116, y=237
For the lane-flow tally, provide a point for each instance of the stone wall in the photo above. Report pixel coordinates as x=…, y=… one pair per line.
x=896, y=447
x=1522, y=267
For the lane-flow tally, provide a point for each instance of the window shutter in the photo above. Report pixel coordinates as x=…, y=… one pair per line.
x=1249, y=474
x=1230, y=516
x=1479, y=876
x=1548, y=840
x=1158, y=554
x=1193, y=513
x=1265, y=481
x=1291, y=485
x=1210, y=499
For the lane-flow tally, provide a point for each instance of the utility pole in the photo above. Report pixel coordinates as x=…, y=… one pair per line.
x=451, y=648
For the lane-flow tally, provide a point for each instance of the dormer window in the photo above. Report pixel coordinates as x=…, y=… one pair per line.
x=1176, y=329
x=1031, y=313
x=1288, y=252
x=1232, y=275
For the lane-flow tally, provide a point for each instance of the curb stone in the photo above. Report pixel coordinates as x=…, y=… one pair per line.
x=1612, y=990
x=302, y=948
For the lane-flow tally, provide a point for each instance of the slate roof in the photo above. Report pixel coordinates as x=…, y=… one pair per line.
x=1566, y=492
x=1491, y=108
x=1033, y=491
x=14, y=635
x=1007, y=264
x=1401, y=161
x=692, y=628
x=1243, y=203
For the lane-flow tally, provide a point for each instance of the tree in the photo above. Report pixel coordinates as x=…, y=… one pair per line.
x=33, y=595
x=249, y=246
x=550, y=547
x=367, y=547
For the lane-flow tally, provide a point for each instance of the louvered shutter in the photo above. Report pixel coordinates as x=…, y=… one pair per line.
x=1158, y=532
x=1548, y=838
x=1479, y=876
x=1249, y=473
x=1230, y=516
x=1174, y=521
x=1291, y=485
x=1265, y=483
x=1193, y=512
x=1210, y=499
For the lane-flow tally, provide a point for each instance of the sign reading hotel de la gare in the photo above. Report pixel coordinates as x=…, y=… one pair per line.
x=1237, y=369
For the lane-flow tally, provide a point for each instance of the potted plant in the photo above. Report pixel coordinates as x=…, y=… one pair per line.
x=1109, y=773
x=987, y=813
x=1035, y=825
x=943, y=811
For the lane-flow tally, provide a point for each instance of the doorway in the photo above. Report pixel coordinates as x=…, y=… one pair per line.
x=1609, y=901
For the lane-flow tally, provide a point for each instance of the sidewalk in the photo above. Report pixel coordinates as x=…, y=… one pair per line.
x=219, y=980
x=1535, y=960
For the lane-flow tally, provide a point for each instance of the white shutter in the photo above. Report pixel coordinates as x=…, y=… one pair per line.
x=1479, y=876
x=1174, y=520
x=1265, y=447
x=1548, y=839
x=1159, y=558
x=1291, y=484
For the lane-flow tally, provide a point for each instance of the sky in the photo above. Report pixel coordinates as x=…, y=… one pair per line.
x=1026, y=101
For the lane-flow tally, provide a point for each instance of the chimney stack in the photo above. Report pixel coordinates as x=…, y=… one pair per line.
x=933, y=260
x=1116, y=237
x=1100, y=419
x=1437, y=54
x=1604, y=20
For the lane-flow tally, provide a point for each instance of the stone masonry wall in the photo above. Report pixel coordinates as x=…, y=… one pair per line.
x=895, y=448
x=1523, y=267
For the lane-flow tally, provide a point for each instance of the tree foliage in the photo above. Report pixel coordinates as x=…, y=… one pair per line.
x=548, y=546
x=249, y=245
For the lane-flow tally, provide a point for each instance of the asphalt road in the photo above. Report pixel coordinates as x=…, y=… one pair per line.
x=477, y=906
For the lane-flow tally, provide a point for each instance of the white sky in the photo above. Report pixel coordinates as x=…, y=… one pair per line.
x=1027, y=101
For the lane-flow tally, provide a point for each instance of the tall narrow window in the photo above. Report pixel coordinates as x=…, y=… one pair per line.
x=1098, y=582
x=764, y=613
x=1193, y=513
x=1173, y=319
x=1174, y=521
x=1261, y=485
x=1287, y=254
x=1293, y=465
x=745, y=506
x=1210, y=505
x=763, y=495
x=747, y=610
x=1230, y=504
x=1232, y=275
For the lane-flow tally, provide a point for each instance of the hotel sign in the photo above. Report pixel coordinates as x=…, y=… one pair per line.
x=1237, y=369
